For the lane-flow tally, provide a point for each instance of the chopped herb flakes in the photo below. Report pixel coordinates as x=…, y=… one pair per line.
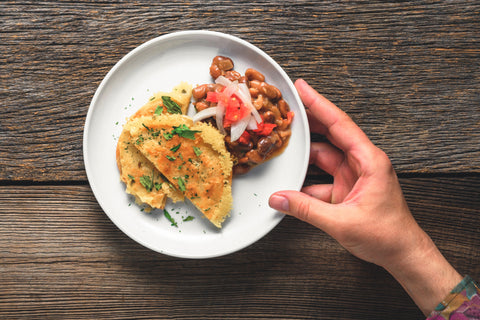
x=169, y=217
x=181, y=184
x=171, y=105
x=189, y=218
x=167, y=135
x=184, y=132
x=158, y=110
x=151, y=131
x=147, y=182
x=197, y=151
x=174, y=149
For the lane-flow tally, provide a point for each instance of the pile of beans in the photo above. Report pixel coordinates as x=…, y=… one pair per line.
x=268, y=101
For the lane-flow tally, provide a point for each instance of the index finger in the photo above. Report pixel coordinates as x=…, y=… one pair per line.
x=339, y=128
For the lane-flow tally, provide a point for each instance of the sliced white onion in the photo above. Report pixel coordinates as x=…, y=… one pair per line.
x=220, y=112
x=252, y=124
x=244, y=95
x=231, y=89
x=222, y=80
x=205, y=113
x=238, y=127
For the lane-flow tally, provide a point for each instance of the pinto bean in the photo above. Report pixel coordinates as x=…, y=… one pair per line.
x=199, y=92
x=223, y=63
x=269, y=117
x=243, y=160
x=255, y=84
x=254, y=156
x=265, y=146
x=283, y=107
x=258, y=102
x=201, y=105
x=215, y=71
x=281, y=124
x=233, y=75
x=276, y=112
x=268, y=90
x=253, y=74
x=279, y=93
x=284, y=134
x=253, y=92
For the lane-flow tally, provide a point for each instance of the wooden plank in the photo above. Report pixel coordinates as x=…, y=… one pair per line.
x=61, y=257
x=407, y=72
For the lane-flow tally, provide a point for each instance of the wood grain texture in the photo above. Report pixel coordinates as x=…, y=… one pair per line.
x=62, y=258
x=407, y=72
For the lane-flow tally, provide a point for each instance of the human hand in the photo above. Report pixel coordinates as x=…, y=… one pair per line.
x=364, y=208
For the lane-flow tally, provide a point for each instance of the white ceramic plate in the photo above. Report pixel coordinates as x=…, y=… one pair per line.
x=159, y=65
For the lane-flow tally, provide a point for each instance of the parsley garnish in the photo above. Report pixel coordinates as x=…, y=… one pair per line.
x=147, y=182
x=171, y=105
x=170, y=157
x=131, y=177
x=197, y=151
x=167, y=135
x=189, y=218
x=184, y=132
x=158, y=186
x=151, y=131
x=181, y=184
x=169, y=217
x=159, y=110
x=174, y=149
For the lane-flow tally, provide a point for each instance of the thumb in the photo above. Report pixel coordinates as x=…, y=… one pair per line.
x=304, y=207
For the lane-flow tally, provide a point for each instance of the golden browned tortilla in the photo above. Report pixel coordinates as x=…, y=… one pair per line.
x=192, y=157
x=140, y=176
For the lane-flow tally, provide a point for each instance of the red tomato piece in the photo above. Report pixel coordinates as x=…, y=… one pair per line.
x=212, y=96
x=244, y=138
x=235, y=110
x=290, y=115
x=264, y=129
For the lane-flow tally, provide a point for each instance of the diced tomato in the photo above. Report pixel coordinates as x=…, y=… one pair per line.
x=235, y=110
x=264, y=128
x=212, y=96
x=290, y=115
x=244, y=138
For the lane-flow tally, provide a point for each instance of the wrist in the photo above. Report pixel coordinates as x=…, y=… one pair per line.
x=425, y=274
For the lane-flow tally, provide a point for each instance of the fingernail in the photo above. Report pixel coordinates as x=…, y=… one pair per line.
x=279, y=203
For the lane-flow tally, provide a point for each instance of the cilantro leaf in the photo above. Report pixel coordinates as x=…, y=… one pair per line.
x=181, y=184
x=197, y=151
x=147, y=182
x=184, y=132
x=174, y=149
x=169, y=217
x=171, y=105
x=158, y=110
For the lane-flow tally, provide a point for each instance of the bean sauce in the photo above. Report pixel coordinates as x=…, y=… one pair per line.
x=266, y=98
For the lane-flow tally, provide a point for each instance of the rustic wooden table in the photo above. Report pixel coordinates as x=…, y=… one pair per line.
x=408, y=73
